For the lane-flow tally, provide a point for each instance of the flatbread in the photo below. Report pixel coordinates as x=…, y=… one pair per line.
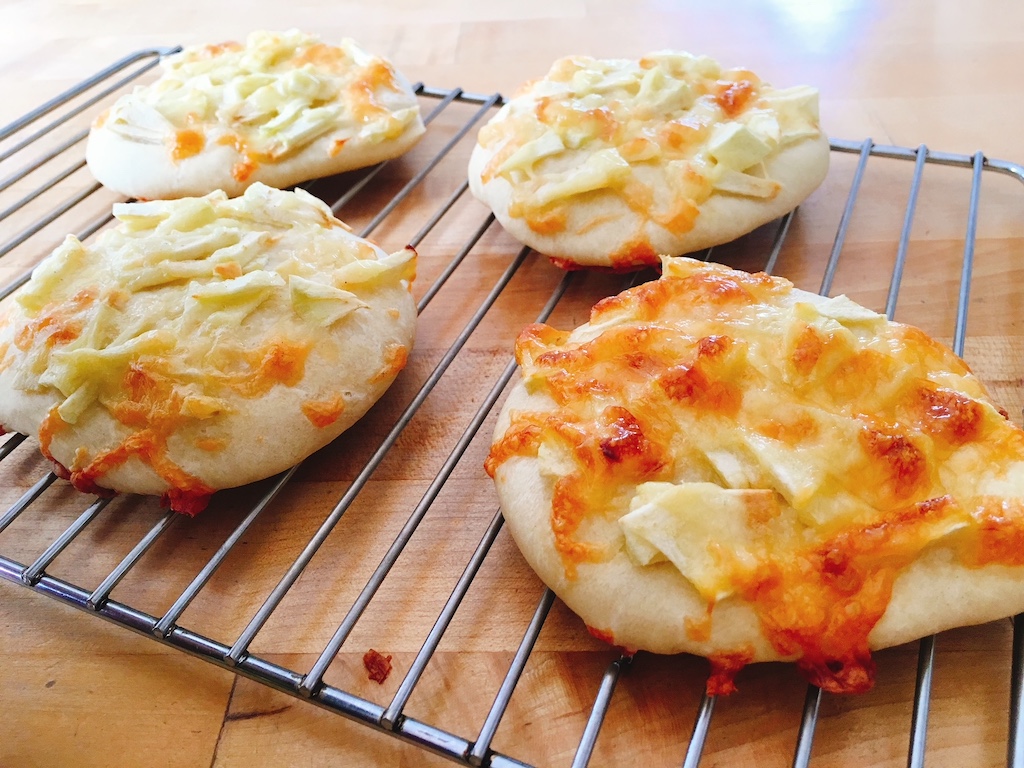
x=282, y=109
x=721, y=464
x=614, y=162
x=203, y=343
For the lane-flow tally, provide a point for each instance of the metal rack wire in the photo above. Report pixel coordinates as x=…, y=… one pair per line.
x=28, y=137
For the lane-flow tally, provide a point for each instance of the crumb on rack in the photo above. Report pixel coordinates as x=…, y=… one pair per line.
x=378, y=666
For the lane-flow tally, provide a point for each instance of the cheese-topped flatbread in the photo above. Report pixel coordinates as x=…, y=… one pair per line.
x=203, y=343
x=609, y=163
x=281, y=109
x=722, y=464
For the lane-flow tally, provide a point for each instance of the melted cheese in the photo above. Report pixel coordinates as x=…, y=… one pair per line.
x=186, y=306
x=791, y=450
x=701, y=528
x=608, y=125
x=268, y=99
x=323, y=413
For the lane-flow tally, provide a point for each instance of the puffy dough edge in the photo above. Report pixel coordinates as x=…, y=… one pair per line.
x=146, y=171
x=646, y=607
x=616, y=237
x=284, y=437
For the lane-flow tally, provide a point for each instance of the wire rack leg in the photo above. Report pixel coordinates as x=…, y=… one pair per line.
x=808, y=724
x=390, y=718
x=27, y=498
x=478, y=754
x=600, y=709
x=1015, y=743
x=701, y=726
x=922, y=701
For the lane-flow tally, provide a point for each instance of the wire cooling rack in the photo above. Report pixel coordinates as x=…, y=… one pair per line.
x=39, y=203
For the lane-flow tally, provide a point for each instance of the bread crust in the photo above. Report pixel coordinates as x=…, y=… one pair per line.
x=648, y=607
x=146, y=162
x=895, y=505
x=238, y=389
x=669, y=181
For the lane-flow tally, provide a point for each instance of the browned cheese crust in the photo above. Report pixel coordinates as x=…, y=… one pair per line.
x=721, y=464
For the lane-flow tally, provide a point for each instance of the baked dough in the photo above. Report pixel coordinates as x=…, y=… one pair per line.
x=203, y=343
x=612, y=162
x=282, y=109
x=721, y=464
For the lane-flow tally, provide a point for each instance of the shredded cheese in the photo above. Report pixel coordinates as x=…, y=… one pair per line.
x=186, y=306
x=672, y=114
x=268, y=98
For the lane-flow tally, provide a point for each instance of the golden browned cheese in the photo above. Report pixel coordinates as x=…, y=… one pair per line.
x=860, y=442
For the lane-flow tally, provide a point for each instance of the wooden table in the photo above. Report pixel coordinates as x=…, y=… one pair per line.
x=78, y=691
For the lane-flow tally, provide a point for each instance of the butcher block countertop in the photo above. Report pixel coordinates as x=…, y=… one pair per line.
x=76, y=690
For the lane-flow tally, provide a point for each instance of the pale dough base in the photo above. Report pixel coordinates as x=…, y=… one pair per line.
x=146, y=171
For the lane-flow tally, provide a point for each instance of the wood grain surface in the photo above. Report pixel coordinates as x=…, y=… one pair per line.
x=75, y=690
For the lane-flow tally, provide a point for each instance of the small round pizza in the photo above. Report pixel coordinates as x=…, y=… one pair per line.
x=203, y=343
x=611, y=162
x=281, y=109
x=721, y=464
